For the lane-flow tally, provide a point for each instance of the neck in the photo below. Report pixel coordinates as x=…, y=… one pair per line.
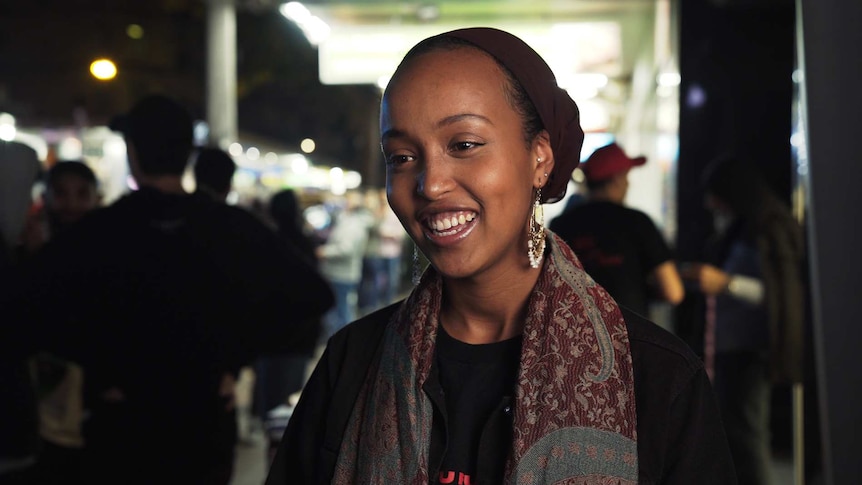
x=212, y=193
x=606, y=196
x=170, y=184
x=480, y=312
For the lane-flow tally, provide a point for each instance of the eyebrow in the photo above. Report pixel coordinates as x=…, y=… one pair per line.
x=460, y=117
x=396, y=133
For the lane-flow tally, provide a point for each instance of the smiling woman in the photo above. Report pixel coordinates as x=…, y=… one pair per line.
x=457, y=149
x=507, y=363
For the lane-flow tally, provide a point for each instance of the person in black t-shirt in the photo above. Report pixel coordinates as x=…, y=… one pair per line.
x=161, y=298
x=214, y=169
x=619, y=247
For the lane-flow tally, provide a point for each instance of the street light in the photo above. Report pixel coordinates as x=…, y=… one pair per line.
x=103, y=69
x=316, y=30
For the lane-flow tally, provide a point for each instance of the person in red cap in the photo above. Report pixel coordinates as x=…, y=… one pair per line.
x=620, y=247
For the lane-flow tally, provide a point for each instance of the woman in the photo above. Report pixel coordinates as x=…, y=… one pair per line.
x=507, y=363
x=757, y=287
x=280, y=374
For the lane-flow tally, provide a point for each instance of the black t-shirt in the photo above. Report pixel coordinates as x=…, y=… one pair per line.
x=618, y=246
x=475, y=378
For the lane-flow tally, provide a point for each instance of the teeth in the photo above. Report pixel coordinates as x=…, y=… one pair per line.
x=446, y=223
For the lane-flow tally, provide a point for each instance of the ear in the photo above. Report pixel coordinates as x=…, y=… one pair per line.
x=132, y=157
x=543, y=159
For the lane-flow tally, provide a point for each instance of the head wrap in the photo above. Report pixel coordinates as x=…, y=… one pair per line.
x=557, y=110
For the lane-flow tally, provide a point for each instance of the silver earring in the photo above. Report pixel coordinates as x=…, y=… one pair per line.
x=539, y=159
x=536, y=241
x=417, y=270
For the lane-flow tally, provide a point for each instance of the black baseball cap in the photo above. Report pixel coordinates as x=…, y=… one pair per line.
x=156, y=120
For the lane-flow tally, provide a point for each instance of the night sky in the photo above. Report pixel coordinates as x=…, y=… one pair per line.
x=46, y=47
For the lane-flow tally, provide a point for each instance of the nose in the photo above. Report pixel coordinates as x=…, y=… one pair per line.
x=435, y=179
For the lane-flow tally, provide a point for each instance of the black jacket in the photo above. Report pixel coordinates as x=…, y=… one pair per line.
x=680, y=436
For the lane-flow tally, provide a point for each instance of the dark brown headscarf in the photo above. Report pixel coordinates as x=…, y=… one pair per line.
x=558, y=111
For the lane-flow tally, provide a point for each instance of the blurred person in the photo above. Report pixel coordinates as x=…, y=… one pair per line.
x=214, y=169
x=280, y=374
x=620, y=247
x=381, y=268
x=507, y=363
x=20, y=168
x=756, y=282
x=373, y=279
x=71, y=191
x=341, y=259
x=285, y=211
x=161, y=298
x=392, y=237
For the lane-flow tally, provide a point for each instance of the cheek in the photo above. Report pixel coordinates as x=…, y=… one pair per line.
x=399, y=194
x=83, y=202
x=505, y=184
x=60, y=202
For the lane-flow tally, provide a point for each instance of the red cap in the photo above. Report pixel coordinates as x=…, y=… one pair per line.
x=608, y=161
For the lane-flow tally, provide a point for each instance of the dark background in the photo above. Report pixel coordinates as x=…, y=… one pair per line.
x=46, y=47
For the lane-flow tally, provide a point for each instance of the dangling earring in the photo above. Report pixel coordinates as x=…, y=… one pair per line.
x=417, y=270
x=536, y=243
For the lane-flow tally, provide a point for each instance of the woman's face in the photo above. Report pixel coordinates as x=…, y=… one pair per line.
x=459, y=174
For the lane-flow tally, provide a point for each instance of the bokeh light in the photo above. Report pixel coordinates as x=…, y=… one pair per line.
x=7, y=127
x=235, y=149
x=307, y=145
x=103, y=69
x=135, y=31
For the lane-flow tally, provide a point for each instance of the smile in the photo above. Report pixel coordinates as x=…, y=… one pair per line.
x=449, y=223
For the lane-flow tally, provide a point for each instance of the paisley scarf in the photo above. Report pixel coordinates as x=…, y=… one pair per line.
x=574, y=409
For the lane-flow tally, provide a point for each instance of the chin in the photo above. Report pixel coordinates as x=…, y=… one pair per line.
x=450, y=268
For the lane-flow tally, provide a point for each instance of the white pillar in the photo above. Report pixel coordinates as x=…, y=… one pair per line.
x=221, y=72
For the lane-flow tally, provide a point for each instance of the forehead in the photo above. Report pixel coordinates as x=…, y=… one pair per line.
x=464, y=78
x=68, y=180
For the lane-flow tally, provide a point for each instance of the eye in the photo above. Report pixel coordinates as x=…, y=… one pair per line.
x=399, y=159
x=462, y=146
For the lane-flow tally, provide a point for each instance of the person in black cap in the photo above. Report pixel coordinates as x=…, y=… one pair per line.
x=507, y=363
x=161, y=298
x=214, y=169
x=620, y=247
x=158, y=134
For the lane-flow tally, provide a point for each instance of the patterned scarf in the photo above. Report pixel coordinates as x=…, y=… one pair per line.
x=574, y=416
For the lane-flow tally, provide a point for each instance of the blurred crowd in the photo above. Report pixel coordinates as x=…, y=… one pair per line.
x=145, y=339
